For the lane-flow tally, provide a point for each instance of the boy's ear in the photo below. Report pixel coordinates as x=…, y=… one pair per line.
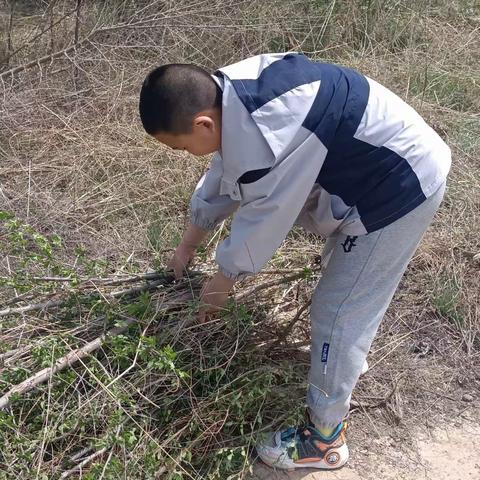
x=204, y=121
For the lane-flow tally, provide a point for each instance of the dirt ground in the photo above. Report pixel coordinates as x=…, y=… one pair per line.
x=449, y=452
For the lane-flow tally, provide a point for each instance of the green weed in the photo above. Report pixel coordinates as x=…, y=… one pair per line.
x=454, y=90
x=446, y=301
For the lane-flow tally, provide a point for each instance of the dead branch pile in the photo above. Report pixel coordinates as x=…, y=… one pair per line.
x=164, y=317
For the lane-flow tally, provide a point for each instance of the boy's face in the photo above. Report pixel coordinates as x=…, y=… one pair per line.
x=204, y=138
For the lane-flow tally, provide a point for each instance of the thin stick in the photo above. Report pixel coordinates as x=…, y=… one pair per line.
x=78, y=467
x=11, y=353
x=80, y=454
x=9, y=38
x=57, y=303
x=51, y=14
x=77, y=20
x=118, y=280
x=291, y=324
x=75, y=40
x=103, y=280
x=62, y=363
x=271, y=283
x=31, y=307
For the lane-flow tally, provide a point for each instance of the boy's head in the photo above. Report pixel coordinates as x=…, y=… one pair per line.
x=180, y=105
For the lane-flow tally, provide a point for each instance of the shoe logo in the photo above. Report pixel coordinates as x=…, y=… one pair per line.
x=332, y=458
x=349, y=243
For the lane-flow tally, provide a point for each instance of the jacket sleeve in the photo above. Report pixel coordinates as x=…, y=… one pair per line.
x=268, y=210
x=207, y=206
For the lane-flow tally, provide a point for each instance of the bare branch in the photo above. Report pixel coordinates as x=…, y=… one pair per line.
x=106, y=295
x=62, y=363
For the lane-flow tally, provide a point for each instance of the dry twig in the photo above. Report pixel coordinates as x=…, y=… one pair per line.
x=62, y=363
x=272, y=283
x=106, y=295
x=84, y=462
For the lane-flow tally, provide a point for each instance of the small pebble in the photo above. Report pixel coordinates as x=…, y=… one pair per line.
x=467, y=397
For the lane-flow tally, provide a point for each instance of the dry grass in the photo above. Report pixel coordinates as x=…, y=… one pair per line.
x=75, y=162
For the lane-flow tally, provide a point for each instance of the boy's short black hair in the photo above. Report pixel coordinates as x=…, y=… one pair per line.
x=172, y=94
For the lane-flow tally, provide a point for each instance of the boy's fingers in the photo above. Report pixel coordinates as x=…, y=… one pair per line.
x=172, y=268
x=202, y=316
x=178, y=271
x=176, y=266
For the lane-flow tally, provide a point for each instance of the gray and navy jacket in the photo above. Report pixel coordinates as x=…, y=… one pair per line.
x=314, y=144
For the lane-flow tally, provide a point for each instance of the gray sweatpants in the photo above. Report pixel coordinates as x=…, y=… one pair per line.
x=357, y=285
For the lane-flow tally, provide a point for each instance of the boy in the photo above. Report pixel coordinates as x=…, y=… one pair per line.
x=297, y=141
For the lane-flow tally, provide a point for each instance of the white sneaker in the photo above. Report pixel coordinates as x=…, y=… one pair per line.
x=304, y=447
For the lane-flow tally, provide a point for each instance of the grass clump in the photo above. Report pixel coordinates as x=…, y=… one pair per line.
x=446, y=301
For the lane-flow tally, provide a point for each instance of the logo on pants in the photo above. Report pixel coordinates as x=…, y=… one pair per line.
x=349, y=243
x=325, y=348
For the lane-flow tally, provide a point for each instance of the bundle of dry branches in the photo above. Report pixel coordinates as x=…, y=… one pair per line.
x=173, y=295
x=168, y=314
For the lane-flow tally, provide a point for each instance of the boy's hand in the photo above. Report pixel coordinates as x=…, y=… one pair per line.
x=181, y=258
x=185, y=251
x=214, y=295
